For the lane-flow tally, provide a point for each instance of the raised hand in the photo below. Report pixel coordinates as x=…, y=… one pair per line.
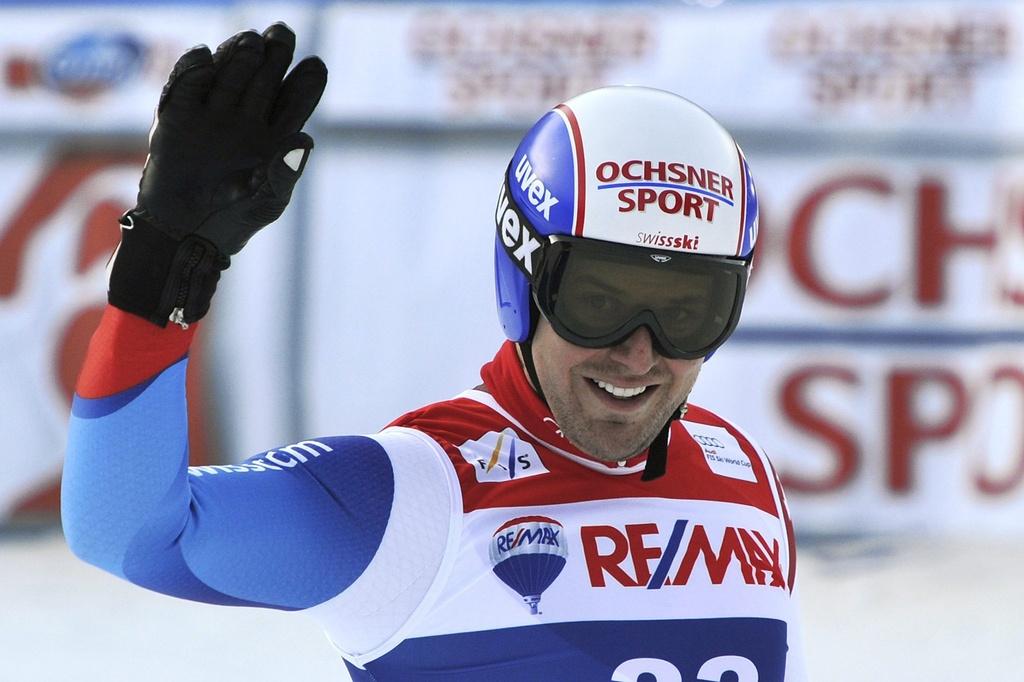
x=225, y=153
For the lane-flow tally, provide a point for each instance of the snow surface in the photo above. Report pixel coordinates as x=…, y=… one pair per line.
x=874, y=610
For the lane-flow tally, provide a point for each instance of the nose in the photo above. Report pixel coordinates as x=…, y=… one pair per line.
x=636, y=352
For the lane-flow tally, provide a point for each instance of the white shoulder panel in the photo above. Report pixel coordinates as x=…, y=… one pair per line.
x=415, y=555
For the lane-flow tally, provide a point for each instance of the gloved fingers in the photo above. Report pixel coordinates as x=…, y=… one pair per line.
x=190, y=78
x=279, y=47
x=237, y=59
x=228, y=47
x=288, y=163
x=299, y=95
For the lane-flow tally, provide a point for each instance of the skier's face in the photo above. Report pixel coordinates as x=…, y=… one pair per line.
x=579, y=384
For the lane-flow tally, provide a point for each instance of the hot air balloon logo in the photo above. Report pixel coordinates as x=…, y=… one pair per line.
x=528, y=553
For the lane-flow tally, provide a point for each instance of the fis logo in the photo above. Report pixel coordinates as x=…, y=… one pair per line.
x=639, y=555
x=533, y=187
x=498, y=457
x=527, y=554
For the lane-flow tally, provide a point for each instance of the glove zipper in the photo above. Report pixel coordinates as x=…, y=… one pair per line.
x=177, y=315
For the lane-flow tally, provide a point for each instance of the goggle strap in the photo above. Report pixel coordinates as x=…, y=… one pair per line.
x=523, y=244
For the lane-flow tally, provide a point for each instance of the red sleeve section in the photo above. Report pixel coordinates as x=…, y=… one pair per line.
x=790, y=535
x=126, y=350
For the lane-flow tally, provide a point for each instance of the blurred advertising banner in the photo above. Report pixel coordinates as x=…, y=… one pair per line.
x=400, y=275
x=95, y=67
x=58, y=227
x=58, y=217
x=880, y=359
x=71, y=73
x=921, y=66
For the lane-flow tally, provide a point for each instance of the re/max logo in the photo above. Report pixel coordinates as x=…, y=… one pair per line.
x=638, y=556
x=526, y=536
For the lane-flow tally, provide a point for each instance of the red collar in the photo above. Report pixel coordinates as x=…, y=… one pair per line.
x=508, y=384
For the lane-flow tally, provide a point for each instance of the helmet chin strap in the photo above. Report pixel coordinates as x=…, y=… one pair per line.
x=657, y=453
x=526, y=353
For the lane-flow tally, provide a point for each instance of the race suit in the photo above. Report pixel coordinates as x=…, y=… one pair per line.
x=466, y=541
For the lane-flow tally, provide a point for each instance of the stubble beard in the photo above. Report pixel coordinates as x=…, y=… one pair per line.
x=607, y=440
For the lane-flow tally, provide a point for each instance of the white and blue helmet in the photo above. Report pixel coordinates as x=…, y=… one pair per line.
x=624, y=165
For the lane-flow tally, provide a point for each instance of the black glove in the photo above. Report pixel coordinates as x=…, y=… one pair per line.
x=224, y=154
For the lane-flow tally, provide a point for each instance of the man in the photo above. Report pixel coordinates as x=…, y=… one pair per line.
x=570, y=518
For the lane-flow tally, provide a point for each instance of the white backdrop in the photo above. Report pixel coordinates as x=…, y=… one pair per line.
x=401, y=295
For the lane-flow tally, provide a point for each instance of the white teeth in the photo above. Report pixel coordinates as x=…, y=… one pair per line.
x=620, y=392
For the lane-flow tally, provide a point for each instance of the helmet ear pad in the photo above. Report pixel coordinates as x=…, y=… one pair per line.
x=512, y=290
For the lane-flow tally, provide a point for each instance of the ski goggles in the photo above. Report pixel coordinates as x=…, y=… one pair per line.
x=596, y=294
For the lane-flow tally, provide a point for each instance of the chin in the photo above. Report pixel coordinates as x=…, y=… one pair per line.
x=601, y=445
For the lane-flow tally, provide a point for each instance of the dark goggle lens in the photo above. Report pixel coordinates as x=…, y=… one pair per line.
x=600, y=296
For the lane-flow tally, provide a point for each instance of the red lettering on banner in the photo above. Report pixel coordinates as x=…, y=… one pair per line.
x=487, y=60
x=1015, y=295
x=21, y=73
x=805, y=221
x=936, y=239
x=797, y=408
x=906, y=431
x=936, y=242
x=887, y=63
x=983, y=481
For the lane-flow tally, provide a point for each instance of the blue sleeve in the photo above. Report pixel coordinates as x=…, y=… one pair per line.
x=288, y=529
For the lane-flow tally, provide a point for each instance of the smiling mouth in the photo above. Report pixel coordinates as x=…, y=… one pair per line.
x=622, y=393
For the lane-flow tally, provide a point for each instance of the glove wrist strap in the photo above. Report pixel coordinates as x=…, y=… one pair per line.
x=160, y=278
